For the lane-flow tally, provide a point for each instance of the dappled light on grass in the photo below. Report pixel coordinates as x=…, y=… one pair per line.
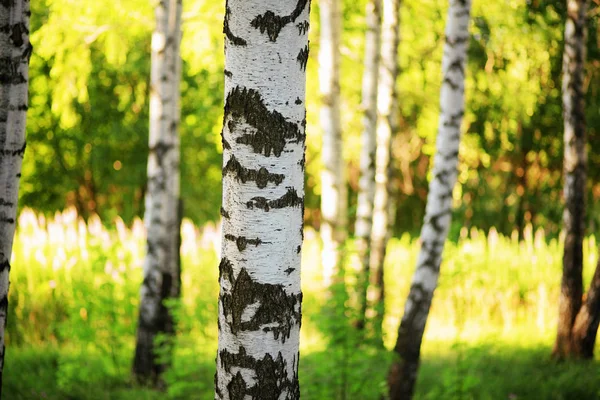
x=74, y=298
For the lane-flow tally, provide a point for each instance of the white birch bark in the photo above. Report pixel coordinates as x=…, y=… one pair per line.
x=333, y=177
x=15, y=50
x=387, y=126
x=575, y=175
x=162, y=216
x=438, y=211
x=366, y=183
x=266, y=51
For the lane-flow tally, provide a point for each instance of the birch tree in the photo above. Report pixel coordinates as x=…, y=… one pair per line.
x=387, y=126
x=266, y=51
x=577, y=321
x=162, y=217
x=333, y=178
x=15, y=50
x=438, y=211
x=366, y=183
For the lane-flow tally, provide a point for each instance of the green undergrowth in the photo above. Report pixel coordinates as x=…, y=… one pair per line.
x=75, y=290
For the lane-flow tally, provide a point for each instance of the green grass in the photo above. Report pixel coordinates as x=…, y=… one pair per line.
x=74, y=298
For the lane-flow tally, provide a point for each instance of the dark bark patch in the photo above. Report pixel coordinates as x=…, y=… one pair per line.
x=6, y=203
x=272, y=379
x=277, y=307
x=242, y=242
x=303, y=27
x=289, y=270
x=4, y=265
x=9, y=71
x=262, y=177
x=224, y=213
x=15, y=152
x=273, y=24
x=290, y=199
x=273, y=131
x=298, y=101
x=228, y=73
x=237, y=41
x=303, y=58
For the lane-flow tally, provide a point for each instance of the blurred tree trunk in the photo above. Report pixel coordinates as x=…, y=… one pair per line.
x=387, y=126
x=438, y=213
x=366, y=183
x=575, y=170
x=333, y=177
x=15, y=50
x=586, y=323
x=162, y=267
x=266, y=51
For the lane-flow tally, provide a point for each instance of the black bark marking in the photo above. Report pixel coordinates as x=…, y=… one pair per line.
x=298, y=249
x=262, y=177
x=159, y=150
x=235, y=40
x=273, y=131
x=290, y=199
x=224, y=213
x=303, y=58
x=272, y=379
x=298, y=101
x=303, y=27
x=289, y=270
x=226, y=145
x=6, y=203
x=228, y=73
x=4, y=265
x=9, y=71
x=277, y=307
x=15, y=152
x=273, y=24
x=242, y=242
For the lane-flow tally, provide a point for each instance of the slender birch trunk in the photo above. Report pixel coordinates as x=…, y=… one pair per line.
x=162, y=268
x=333, y=178
x=366, y=183
x=15, y=50
x=575, y=167
x=266, y=51
x=387, y=126
x=438, y=212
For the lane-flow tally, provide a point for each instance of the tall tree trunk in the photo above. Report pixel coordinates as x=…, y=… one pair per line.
x=366, y=183
x=575, y=166
x=333, y=177
x=387, y=126
x=162, y=268
x=15, y=50
x=438, y=212
x=266, y=51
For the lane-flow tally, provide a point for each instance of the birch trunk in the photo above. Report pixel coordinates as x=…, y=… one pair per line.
x=333, y=177
x=266, y=51
x=586, y=323
x=366, y=183
x=15, y=50
x=387, y=126
x=162, y=218
x=575, y=166
x=438, y=211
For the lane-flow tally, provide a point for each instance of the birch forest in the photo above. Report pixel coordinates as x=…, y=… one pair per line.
x=286, y=199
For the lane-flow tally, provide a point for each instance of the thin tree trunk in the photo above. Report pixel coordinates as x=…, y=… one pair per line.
x=162, y=218
x=387, y=126
x=266, y=51
x=333, y=177
x=438, y=212
x=366, y=183
x=586, y=324
x=575, y=166
x=15, y=50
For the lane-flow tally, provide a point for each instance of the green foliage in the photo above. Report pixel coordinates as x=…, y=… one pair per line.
x=75, y=292
x=88, y=115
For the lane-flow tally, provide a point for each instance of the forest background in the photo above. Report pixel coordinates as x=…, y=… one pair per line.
x=90, y=67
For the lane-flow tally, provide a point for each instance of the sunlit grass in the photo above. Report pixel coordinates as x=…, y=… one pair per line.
x=75, y=285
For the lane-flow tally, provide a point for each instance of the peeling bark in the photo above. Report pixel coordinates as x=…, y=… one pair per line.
x=15, y=51
x=333, y=176
x=263, y=200
x=387, y=127
x=575, y=176
x=162, y=269
x=438, y=212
